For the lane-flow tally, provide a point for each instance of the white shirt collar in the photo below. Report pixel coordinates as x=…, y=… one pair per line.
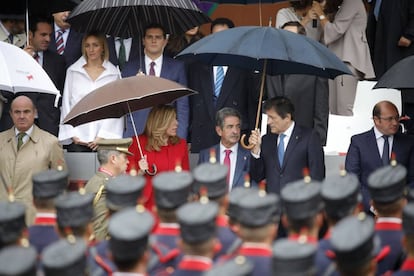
x=288, y=132
x=28, y=132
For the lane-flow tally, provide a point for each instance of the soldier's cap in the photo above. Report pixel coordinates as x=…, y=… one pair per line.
x=172, y=189
x=259, y=209
x=129, y=230
x=211, y=176
x=120, y=145
x=197, y=221
x=292, y=258
x=387, y=183
x=237, y=266
x=340, y=194
x=49, y=183
x=408, y=219
x=12, y=221
x=354, y=241
x=64, y=258
x=235, y=197
x=18, y=261
x=123, y=191
x=63, y=5
x=74, y=209
x=302, y=200
x=410, y=195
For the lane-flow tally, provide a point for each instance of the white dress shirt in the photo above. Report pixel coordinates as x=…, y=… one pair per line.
x=157, y=66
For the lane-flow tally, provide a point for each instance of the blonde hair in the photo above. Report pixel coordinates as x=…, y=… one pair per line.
x=102, y=41
x=159, y=119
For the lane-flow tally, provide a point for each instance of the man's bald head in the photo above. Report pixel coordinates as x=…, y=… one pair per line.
x=22, y=112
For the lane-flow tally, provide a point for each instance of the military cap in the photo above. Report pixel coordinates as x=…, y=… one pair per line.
x=129, y=230
x=18, y=261
x=410, y=195
x=65, y=258
x=120, y=145
x=74, y=209
x=259, y=209
x=197, y=221
x=12, y=221
x=293, y=258
x=354, y=242
x=387, y=183
x=49, y=183
x=172, y=189
x=211, y=176
x=238, y=266
x=408, y=219
x=302, y=199
x=123, y=191
x=235, y=197
x=340, y=194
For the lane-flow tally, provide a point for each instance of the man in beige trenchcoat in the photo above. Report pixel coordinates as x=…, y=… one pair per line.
x=38, y=151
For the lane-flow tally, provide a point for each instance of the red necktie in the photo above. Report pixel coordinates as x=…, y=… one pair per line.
x=152, y=70
x=227, y=163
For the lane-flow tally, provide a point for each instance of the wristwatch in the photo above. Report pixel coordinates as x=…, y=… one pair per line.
x=322, y=17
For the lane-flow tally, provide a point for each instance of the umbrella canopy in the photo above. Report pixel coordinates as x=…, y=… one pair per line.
x=245, y=2
x=128, y=18
x=123, y=96
x=284, y=52
x=399, y=76
x=19, y=72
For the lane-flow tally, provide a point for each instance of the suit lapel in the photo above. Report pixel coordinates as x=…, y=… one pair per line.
x=240, y=166
x=293, y=141
x=373, y=147
x=208, y=95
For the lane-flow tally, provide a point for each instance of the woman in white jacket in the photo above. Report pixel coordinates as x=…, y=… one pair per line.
x=89, y=72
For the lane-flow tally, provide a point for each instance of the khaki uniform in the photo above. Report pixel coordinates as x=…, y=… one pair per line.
x=41, y=152
x=97, y=186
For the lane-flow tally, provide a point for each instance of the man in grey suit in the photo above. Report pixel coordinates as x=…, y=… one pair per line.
x=228, y=126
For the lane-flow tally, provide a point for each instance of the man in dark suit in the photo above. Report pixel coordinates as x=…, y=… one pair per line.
x=365, y=153
x=71, y=39
x=228, y=123
x=283, y=154
x=121, y=50
x=54, y=65
x=239, y=90
x=156, y=63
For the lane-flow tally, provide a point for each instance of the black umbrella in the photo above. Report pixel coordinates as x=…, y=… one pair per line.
x=128, y=18
x=399, y=76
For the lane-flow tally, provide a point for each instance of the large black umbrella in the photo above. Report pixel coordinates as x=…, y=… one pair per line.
x=127, y=18
x=399, y=76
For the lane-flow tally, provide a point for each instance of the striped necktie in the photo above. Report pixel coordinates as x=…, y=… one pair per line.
x=60, y=45
x=218, y=83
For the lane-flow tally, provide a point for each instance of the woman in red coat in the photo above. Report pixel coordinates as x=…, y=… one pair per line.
x=162, y=149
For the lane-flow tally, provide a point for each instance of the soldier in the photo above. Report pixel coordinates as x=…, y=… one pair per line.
x=387, y=187
x=113, y=162
x=238, y=266
x=12, y=224
x=129, y=230
x=302, y=208
x=18, y=261
x=293, y=258
x=407, y=267
x=213, y=177
x=341, y=197
x=47, y=185
x=198, y=236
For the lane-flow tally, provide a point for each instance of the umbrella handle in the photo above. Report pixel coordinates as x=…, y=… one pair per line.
x=154, y=170
x=259, y=107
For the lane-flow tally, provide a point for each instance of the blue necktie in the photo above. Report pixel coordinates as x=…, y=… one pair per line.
x=386, y=151
x=377, y=8
x=281, y=148
x=218, y=83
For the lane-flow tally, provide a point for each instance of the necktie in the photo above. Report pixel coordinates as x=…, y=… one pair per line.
x=20, y=139
x=121, y=54
x=281, y=148
x=60, y=46
x=218, y=83
x=152, y=70
x=10, y=38
x=386, y=151
x=36, y=57
x=377, y=8
x=226, y=162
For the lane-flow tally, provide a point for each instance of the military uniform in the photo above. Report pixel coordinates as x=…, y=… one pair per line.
x=238, y=266
x=12, y=222
x=18, y=261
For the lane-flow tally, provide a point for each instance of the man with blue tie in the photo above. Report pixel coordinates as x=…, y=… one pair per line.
x=228, y=151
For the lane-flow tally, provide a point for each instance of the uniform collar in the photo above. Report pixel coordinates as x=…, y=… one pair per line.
x=198, y=263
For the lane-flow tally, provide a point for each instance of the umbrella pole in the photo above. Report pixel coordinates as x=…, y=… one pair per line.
x=138, y=143
x=259, y=107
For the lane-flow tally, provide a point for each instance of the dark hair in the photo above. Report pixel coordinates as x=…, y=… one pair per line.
x=155, y=26
x=222, y=21
x=301, y=29
x=38, y=19
x=225, y=112
x=331, y=8
x=281, y=105
x=300, y=4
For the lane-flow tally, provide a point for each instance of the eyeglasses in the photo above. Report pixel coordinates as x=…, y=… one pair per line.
x=390, y=119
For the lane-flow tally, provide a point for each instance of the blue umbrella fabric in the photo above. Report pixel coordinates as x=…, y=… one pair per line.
x=250, y=47
x=128, y=18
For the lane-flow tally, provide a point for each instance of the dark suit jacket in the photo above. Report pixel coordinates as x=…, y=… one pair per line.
x=304, y=150
x=135, y=52
x=242, y=163
x=363, y=158
x=73, y=46
x=171, y=69
x=240, y=91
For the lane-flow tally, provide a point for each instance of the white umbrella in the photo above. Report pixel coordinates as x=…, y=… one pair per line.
x=19, y=72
